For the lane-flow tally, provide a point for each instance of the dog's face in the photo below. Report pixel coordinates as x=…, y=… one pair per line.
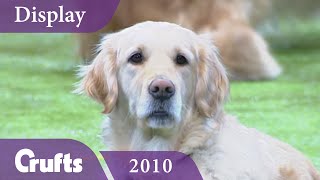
x=157, y=72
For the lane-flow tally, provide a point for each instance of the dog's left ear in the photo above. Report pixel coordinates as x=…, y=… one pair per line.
x=212, y=86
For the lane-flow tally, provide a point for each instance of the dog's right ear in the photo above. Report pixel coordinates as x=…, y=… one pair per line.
x=98, y=80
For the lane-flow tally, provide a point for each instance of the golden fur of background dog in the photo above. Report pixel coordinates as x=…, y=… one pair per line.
x=244, y=52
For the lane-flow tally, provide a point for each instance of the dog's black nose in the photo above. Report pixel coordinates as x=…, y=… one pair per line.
x=161, y=89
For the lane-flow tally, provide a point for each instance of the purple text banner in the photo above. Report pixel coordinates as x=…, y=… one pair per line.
x=65, y=159
x=155, y=165
x=48, y=159
x=77, y=16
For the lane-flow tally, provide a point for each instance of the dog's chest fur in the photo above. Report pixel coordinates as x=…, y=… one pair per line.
x=229, y=151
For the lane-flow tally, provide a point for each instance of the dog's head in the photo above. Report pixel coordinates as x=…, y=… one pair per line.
x=157, y=72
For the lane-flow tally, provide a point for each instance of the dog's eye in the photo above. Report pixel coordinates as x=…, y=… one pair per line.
x=181, y=60
x=136, y=58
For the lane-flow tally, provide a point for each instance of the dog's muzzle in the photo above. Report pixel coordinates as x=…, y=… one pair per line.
x=161, y=90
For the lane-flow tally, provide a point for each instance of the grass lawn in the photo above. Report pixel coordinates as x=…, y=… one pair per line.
x=37, y=76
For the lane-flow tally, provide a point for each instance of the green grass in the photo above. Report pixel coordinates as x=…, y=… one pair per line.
x=37, y=72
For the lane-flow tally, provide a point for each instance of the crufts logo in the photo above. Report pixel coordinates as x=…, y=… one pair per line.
x=47, y=165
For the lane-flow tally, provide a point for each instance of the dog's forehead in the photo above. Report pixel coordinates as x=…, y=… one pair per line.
x=158, y=34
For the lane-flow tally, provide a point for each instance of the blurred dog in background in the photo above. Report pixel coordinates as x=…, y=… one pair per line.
x=230, y=23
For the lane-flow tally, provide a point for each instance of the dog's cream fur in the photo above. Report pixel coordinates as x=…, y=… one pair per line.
x=221, y=147
x=230, y=22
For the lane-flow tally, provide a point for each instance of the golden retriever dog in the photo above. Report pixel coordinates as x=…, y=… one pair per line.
x=244, y=52
x=163, y=88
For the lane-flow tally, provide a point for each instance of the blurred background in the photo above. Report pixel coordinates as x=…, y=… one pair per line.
x=37, y=73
